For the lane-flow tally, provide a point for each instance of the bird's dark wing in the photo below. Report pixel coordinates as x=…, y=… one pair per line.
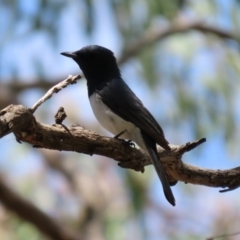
x=123, y=102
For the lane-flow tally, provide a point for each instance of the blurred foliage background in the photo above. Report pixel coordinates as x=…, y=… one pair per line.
x=193, y=76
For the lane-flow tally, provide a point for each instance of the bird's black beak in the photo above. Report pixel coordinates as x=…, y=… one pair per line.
x=69, y=54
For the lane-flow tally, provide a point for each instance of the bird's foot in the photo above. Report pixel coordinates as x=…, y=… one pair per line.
x=119, y=134
x=127, y=143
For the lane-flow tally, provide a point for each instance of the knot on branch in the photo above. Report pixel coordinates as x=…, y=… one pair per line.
x=19, y=120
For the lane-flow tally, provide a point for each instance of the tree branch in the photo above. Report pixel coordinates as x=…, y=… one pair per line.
x=32, y=214
x=19, y=120
x=152, y=36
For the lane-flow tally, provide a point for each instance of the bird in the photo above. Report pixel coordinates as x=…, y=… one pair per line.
x=118, y=109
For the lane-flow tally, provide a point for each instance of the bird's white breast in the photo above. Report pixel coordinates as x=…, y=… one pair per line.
x=112, y=122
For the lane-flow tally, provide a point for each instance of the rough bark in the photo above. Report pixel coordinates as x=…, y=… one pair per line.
x=20, y=120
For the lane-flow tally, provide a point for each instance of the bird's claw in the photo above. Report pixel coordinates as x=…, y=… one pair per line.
x=128, y=143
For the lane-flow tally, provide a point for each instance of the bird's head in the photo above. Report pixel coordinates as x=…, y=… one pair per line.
x=96, y=62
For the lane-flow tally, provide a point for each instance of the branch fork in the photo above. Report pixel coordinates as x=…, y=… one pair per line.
x=21, y=121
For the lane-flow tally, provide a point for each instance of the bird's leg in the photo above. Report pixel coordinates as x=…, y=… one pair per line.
x=119, y=134
x=128, y=142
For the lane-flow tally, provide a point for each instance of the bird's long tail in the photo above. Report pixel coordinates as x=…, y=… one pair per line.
x=152, y=151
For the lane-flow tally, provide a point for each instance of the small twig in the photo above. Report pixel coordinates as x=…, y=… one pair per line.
x=223, y=236
x=230, y=188
x=70, y=80
x=190, y=146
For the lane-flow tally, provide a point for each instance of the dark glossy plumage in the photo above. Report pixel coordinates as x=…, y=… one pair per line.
x=122, y=101
x=97, y=63
x=106, y=88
